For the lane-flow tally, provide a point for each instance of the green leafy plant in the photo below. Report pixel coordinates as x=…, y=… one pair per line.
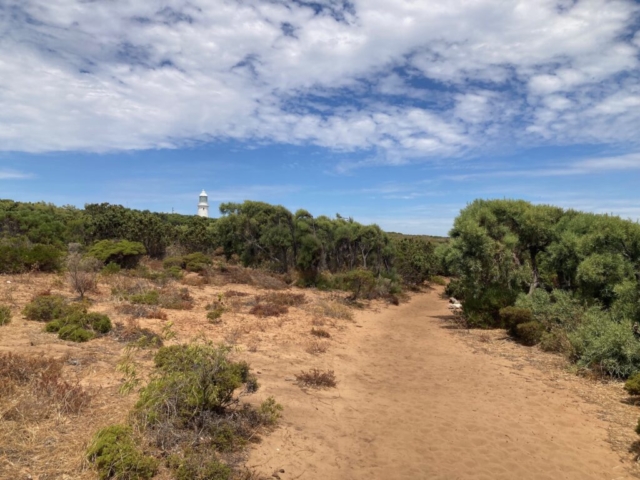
x=5, y=314
x=114, y=453
x=44, y=308
x=122, y=252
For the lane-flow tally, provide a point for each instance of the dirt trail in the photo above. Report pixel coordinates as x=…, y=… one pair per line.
x=414, y=401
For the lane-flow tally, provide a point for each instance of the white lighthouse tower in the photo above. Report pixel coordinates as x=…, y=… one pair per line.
x=203, y=205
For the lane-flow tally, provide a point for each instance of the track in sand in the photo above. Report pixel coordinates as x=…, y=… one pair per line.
x=414, y=401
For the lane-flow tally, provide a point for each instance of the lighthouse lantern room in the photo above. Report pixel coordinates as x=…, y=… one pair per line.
x=203, y=205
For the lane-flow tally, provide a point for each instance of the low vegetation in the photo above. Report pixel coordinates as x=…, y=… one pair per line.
x=190, y=414
x=315, y=378
x=5, y=314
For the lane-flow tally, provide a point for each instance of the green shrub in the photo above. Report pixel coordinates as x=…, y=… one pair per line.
x=98, y=322
x=191, y=381
x=198, y=467
x=75, y=333
x=360, y=282
x=483, y=309
x=123, y=252
x=638, y=427
x=632, y=385
x=438, y=280
x=606, y=344
x=111, y=268
x=558, y=309
x=557, y=341
x=5, y=315
x=174, y=272
x=215, y=314
x=150, y=297
x=44, y=308
x=18, y=256
x=173, y=262
x=529, y=333
x=513, y=316
x=115, y=455
x=196, y=262
x=270, y=411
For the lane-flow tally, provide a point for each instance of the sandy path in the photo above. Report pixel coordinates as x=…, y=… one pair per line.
x=415, y=402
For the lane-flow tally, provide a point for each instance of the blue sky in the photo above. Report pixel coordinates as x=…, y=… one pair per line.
x=391, y=111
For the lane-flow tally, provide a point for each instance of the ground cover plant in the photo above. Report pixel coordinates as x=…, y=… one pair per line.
x=316, y=378
x=190, y=413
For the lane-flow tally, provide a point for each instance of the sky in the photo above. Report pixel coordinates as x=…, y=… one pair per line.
x=395, y=112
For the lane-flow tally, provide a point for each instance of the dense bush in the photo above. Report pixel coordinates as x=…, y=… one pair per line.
x=607, y=345
x=123, y=252
x=632, y=385
x=44, y=308
x=78, y=325
x=116, y=455
x=18, y=256
x=194, y=466
x=5, y=315
x=196, y=262
x=529, y=333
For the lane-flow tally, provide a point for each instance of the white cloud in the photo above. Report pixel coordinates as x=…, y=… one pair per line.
x=123, y=75
x=14, y=175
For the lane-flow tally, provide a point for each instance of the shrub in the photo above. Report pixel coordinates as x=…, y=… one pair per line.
x=174, y=272
x=608, y=345
x=283, y=298
x=196, y=262
x=558, y=309
x=78, y=325
x=513, y=316
x=5, y=315
x=82, y=272
x=438, y=280
x=44, y=308
x=319, y=332
x=150, y=297
x=316, y=378
x=111, y=268
x=115, y=455
x=173, y=262
x=75, y=333
x=215, y=314
x=268, y=310
x=270, y=411
x=632, y=385
x=316, y=347
x=122, y=252
x=133, y=333
x=333, y=309
x=192, y=380
x=529, y=333
x=18, y=255
x=359, y=282
x=198, y=467
x=175, y=299
x=557, y=341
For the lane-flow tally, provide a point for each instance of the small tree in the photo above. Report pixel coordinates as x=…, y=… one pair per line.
x=82, y=272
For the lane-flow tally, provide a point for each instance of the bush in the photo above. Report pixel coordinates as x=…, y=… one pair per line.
x=79, y=326
x=319, y=332
x=605, y=344
x=75, y=333
x=632, y=385
x=115, y=455
x=173, y=262
x=5, y=315
x=150, y=297
x=316, y=378
x=513, y=316
x=111, y=268
x=269, y=310
x=18, y=256
x=191, y=381
x=529, y=333
x=45, y=308
x=176, y=299
x=359, y=282
x=123, y=252
x=215, y=314
x=196, y=262
x=283, y=298
x=82, y=272
x=198, y=467
x=557, y=341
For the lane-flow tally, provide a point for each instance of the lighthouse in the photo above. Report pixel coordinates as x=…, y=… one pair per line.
x=203, y=205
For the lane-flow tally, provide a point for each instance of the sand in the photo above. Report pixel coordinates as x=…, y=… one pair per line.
x=416, y=398
x=415, y=401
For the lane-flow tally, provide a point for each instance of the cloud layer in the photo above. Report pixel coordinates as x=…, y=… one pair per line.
x=405, y=79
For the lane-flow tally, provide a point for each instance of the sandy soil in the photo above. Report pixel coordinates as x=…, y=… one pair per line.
x=416, y=398
x=415, y=401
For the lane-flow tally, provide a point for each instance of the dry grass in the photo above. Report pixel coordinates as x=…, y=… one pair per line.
x=332, y=309
x=286, y=299
x=316, y=347
x=320, y=332
x=141, y=311
x=315, y=378
x=269, y=310
x=131, y=331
